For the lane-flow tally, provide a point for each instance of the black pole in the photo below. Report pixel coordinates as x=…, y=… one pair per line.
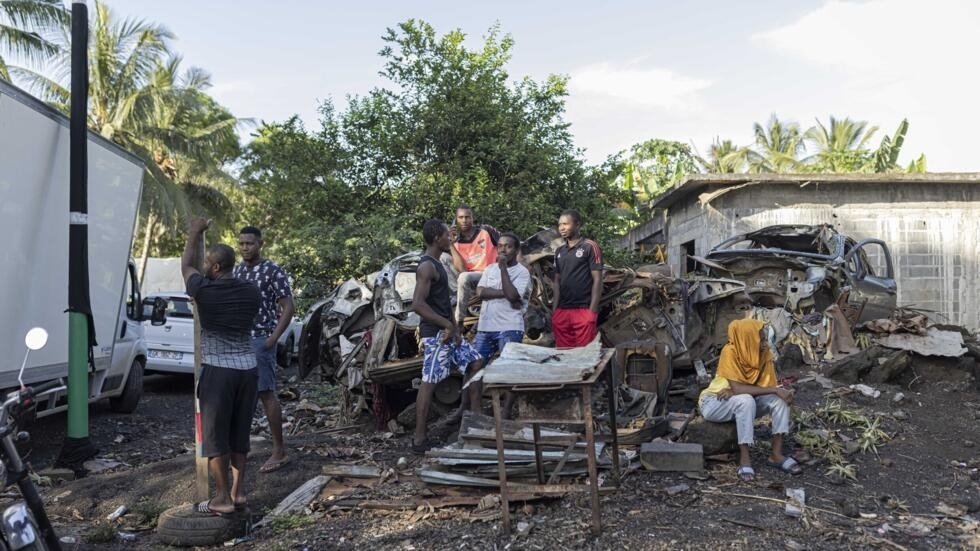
x=81, y=330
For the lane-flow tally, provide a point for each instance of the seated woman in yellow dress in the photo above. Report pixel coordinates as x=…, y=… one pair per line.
x=744, y=388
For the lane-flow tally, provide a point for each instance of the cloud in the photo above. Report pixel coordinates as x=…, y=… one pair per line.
x=883, y=60
x=881, y=37
x=655, y=88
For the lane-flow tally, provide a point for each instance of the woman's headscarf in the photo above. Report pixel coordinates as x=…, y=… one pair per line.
x=745, y=359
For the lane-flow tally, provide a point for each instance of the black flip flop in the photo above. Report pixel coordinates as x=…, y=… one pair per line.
x=204, y=508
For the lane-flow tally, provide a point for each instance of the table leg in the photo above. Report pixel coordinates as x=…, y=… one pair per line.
x=501, y=464
x=591, y=459
x=611, y=395
x=537, y=452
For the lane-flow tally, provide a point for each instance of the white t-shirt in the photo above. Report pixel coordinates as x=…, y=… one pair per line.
x=497, y=314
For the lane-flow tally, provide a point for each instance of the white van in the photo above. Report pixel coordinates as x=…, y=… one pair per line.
x=34, y=186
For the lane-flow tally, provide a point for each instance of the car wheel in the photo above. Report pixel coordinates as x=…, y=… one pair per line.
x=132, y=392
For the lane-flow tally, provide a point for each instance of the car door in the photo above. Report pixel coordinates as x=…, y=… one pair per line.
x=871, y=274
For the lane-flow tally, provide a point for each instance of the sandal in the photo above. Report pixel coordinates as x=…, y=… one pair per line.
x=204, y=508
x=788, y=466
x=746, y=473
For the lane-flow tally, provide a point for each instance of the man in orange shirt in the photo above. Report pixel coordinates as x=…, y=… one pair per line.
x=474, y=247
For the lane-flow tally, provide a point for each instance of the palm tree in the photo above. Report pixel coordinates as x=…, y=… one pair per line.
x=141, y=100
x=842, y=147
x=724, y=157
x=21, y=22
x=778, y=146
x=191, y=138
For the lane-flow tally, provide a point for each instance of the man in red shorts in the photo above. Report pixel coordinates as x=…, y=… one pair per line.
x=578, y=285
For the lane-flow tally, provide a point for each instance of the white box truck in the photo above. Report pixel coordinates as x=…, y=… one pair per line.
x=34, y=220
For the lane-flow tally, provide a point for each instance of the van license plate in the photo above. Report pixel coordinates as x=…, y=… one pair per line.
x=166, y=354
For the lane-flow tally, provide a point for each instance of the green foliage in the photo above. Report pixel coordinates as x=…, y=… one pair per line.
x=778, y=146
x=842, y=146
x=917, y=166
x=21, y=25
x=724, y=157
x=886, y=156
x=653, y=167
x=843, y=470
x=449, y=128
x=823, y=432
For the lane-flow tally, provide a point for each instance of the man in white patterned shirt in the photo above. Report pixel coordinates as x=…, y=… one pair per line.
x=273, y=319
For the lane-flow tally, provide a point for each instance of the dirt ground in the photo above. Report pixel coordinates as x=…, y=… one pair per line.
x=919, y=491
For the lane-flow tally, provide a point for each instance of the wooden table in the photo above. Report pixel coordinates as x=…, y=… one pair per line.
x=583, y=417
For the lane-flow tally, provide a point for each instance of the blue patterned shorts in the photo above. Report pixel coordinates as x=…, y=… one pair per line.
x=439, y=358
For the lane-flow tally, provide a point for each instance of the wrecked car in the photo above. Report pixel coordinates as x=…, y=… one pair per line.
x=808, y=268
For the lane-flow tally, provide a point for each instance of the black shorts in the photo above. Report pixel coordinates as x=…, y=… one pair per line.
x=227, y=398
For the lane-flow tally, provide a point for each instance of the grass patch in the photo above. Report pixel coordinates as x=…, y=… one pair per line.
x=101, y=533
x=285, y=523
x=148, y=511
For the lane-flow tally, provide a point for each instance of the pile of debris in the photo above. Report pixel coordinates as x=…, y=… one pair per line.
x=472, y=459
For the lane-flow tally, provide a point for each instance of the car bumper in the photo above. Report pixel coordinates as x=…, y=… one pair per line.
x=164, y=361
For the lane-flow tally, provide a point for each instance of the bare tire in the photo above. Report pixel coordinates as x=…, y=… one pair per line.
x=182, y=527
x=132, y=392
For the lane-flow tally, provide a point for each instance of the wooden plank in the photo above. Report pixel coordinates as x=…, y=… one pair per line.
x=297, y=500
x=486, y=453
x=431, y=476
x=352, y=471
x=436, y=503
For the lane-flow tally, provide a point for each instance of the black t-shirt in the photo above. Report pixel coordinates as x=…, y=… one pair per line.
x=226, y=305
x=574, y=266
x=438, y=297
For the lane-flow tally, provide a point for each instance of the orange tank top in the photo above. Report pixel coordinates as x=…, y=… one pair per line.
x=479, y=253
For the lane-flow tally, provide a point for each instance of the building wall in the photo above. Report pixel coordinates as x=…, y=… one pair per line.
x=932, y=230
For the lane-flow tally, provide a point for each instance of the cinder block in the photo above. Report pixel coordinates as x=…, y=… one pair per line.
x=661, y=455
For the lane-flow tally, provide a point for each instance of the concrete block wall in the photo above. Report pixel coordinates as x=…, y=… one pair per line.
x=932, y=231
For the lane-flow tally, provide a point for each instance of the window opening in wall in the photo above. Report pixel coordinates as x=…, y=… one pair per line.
x=687, y=251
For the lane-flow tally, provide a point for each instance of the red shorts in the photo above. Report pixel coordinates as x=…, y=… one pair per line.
x=573, y=327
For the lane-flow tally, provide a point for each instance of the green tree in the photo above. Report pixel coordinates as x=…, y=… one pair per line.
x=452, y=128
x=449, y=126
x=777, y=147
x=21, y=25
x=724, y=157
x=320, y=227
x=653, y=167
x=840, y=147
x=885, y=157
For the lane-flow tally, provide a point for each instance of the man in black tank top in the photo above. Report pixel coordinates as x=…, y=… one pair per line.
x=442, y=343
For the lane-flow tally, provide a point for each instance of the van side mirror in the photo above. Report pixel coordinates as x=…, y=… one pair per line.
x=155, y=309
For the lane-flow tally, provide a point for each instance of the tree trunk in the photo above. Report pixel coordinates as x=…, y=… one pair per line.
x=151, y=222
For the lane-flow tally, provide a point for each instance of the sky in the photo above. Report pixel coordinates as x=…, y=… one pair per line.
x=687, y=71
